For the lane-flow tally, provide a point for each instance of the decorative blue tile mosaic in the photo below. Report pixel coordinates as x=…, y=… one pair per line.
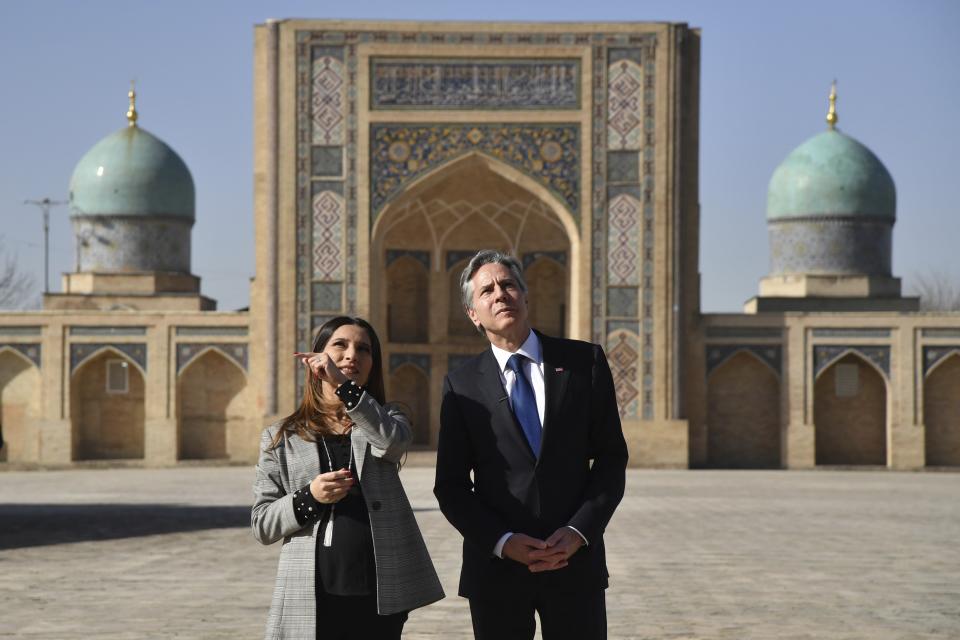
x=399, y=153
x=187, y=352
x=444, y=83
x=30, y=350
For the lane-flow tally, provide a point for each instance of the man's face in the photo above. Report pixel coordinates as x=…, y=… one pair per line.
x=499, y=306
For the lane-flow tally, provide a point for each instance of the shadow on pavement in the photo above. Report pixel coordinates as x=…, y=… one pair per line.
x=34, y=525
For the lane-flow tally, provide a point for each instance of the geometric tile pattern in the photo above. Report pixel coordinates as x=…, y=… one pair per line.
x=399, y=153
x=327, y=162
x=623, y=353
x=623, y=167
x=212, y=331
x=442, y=83
x=623, y=241
x=838, y=245
x=934, y=355
x=625, y=105
x=326, y=296
x=30, y=350
x=327, y=103
x=423, y=257
x=622, y=302
x=419, y=360
x=769, y=354
x=825, y=355
x=186, y=352
x=327, y=236
x=107, y=331
x=79, y=352
x=844, y=332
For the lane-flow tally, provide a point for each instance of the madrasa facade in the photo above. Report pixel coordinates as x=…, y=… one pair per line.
x=385, y=155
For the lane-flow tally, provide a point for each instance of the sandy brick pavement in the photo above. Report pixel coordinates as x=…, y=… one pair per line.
x=132, y=553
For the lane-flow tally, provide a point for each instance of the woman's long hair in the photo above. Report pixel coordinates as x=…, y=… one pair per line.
x=315, y=416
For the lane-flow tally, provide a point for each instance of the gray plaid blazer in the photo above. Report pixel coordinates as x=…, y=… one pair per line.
x=406, y=578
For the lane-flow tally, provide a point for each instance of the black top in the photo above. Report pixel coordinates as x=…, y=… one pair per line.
x=347, y=567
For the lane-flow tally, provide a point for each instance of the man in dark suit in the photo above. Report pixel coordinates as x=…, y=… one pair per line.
x=530, y=466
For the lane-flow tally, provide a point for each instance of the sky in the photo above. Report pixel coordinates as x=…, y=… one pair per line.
x=766, y=69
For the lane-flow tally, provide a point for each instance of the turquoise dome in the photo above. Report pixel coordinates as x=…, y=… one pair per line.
x=132, y=173
x=831, y=174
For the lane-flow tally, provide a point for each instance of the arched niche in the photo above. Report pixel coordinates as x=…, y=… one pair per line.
x=850, y=413
x=107, y=417
x=212, y=407
x=408, y=299
x=460, y=329
x=743, y=414
x=410, y=387
x=471, y=203
x=19, y=405
x=941, y=412
x=547, y=282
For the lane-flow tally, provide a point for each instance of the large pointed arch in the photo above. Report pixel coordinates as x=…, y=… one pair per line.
x=743, y=413
x=494, y=165
x=212, y=407
x=20, y=391
x=941, y=411
x=851, y=428
x=105, y=424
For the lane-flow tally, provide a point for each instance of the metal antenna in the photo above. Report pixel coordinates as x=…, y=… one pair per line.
x=45, y=205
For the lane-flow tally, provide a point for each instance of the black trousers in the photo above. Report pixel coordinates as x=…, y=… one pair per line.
x=355, y=618
x=573, y=616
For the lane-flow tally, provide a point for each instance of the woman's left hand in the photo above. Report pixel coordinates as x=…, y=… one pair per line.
x=322, y=367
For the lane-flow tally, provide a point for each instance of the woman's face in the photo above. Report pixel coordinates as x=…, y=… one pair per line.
x=350, y=349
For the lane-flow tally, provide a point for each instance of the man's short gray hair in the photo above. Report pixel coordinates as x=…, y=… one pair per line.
x=488, y=256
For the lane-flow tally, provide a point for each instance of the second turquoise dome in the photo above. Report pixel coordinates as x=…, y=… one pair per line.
x=831, y=174
x=132, y=173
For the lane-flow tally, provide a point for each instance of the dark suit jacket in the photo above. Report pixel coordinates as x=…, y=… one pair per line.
x=510, y=489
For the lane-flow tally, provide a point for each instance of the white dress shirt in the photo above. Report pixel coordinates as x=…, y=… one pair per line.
x=533, y=369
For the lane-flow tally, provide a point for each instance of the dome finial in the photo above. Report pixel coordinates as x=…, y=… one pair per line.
x=832, y=113
x=132, y=111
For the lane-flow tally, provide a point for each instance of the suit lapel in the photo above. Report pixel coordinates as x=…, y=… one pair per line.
x=501, y=416
x=555, y=377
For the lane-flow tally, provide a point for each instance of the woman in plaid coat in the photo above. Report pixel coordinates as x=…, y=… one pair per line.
x=353, y=560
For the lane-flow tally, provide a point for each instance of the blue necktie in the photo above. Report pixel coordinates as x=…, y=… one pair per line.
x=525, y=404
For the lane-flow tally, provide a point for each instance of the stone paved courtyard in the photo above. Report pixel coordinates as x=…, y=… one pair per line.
x=132, y=553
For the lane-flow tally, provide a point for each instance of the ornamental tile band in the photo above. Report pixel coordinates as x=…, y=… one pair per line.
x=434, y=83
x=399, y=153
x=418, y=360
x=187, y=352
x=623, y=241
x=28, y=349
x=80, y=352
x=932, y=356
x=327, y=236
x=623, y=352
x=625, y=108
x=327, y=100
x=826, y=355
x=770, y=354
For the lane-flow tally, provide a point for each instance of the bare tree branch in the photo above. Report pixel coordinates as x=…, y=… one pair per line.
x=938, y=291
x=15, y=286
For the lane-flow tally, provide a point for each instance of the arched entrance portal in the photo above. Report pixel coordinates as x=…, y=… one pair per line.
x=211, y=406
x=19, y=402
x=941, y=413
x=850, y=414
x=743, y=402
x=422, y=241
x=107, y=408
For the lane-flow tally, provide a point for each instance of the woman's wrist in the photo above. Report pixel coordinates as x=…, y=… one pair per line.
x=349, y=393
